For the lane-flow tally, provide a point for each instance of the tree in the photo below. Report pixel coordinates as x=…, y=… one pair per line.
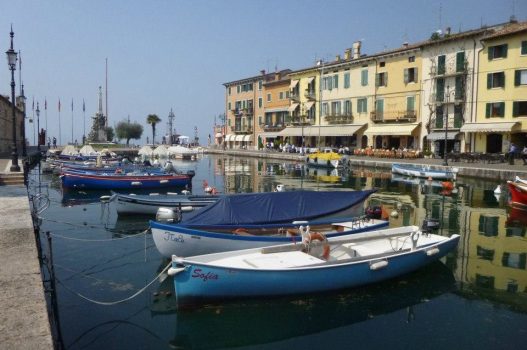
x=153, y=119
x=126, y=130
x=109, y=134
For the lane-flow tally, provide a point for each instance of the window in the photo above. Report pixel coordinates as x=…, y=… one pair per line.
x=382, y=64
x=519, y=108
x=439, y=117
x=229, y=106
x=460, y=61
x=362, y=105
x=364, y=77
x=260, y=102
x=281, y=95
x=410, y=103
x=268, y=97
x=260, y=84
x=460, y=91
x=229, y=91
x=441, y=64
x=335, y=108
x=495, y=110
x=495, y=80
x=259, y=120
x=347, y=107
x=325, y=108
x=520, y=77
x=238, y=88
x=411, y=59
x=381, y=79
x=498, y=51
x=440, y=90
x=287, y=94
x=410, y=75
x=379, y=108
x=488, y=226
x=524, y=47
x=346, y=80
x=336, y=81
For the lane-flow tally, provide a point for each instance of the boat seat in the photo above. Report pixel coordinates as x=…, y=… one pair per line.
x=282, y=260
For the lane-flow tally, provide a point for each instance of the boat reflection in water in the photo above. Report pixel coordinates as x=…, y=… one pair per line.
x=265, y=321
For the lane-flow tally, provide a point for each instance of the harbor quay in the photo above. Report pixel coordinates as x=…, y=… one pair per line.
x=24, y=322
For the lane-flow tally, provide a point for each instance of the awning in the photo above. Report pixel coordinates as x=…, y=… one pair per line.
x=269, y=135
x=248, y=138
x=218, y=135
x=308, y=105
x=278, y=109
x=396, y=130
x=293, y=83
x=229, y=137
x=238, y=137
x=310, y=79
x=440, y=135
x=293, y=107
x=331, y=130
x=489, y=127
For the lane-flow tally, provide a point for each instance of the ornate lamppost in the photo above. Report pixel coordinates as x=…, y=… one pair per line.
x=11, y=62
x=38, y=127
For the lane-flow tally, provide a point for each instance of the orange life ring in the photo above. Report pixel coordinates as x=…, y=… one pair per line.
x=317, y=236
x=118, y=171
x=241, y=231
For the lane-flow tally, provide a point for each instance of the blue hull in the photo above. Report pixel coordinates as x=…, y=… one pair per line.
x=424, y=172
x=199, y=283
x=97, y=182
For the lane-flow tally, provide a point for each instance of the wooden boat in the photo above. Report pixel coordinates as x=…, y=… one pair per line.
x=124, y=181
x=309, y=267
x=518, y=193
x=425, y=172
x=180, y=152
x=180, y=240
x=327, y=158
x=130, y=204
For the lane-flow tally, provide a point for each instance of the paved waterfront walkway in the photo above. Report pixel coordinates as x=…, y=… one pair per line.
x=497, y=171
x=24, y=320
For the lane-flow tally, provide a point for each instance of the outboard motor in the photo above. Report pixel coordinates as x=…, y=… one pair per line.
x=374, y=212
x=429, y=225
x=169, y=167
x=168, y=215
x=191, y=173
x=147, y=163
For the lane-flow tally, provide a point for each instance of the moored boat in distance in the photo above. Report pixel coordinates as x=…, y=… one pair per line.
x=326, y=158
x=310, y=267
x=425, y=171
x=518, y=193
x=148, y=204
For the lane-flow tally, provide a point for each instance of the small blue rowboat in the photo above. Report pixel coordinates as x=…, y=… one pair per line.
x=119, y=181
x=310, y=267
x=425, y=172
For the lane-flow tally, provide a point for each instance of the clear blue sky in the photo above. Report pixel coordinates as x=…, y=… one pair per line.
x=176, y=54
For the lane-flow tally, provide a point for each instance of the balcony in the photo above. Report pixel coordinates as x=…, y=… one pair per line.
x=294, y=96
x=277, y=127
x=450, y=70
x=339, y=118
x=248, y=111
x=393, y=116
x=310, y=95
x=242, y=129
x=297, y=120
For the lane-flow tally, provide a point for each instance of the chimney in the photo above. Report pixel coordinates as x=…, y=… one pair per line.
x=405, y=44
x=262, y=71
x=347, y=54
x=356, y=49
x=337, y=58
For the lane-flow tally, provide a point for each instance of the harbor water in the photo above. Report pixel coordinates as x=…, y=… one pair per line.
x=109, y=294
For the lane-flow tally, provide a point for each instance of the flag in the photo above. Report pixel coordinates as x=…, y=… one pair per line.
x=83, y=106
x=46, y=104
x=59, y=104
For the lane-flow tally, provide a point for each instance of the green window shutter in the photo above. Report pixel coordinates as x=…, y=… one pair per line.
x=364, y=77
x=505, y=49
x=386, y=79
x=441, y=64
x=517, y=77
x=502, y=79
x=524, y=48
x=489, y=80
x=440, y=90
x=502, y=109
x=377, y=79
x=336, y=81
x=415, y=74
x=410, y=103
x=491, y=53
x=405, y=77
x=460, y=61
x=365, y=105
x=458, y=93
x=515, y=108
x=488, y=108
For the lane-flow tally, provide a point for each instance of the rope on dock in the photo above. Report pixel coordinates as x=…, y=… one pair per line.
x=109, y=303
x=99, y=240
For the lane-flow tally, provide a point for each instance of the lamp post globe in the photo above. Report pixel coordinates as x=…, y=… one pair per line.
x=11, y=62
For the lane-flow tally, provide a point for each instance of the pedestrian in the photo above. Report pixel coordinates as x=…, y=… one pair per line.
x=512, y=153
x=54, y=142
x=49, y=143
x=524, y=155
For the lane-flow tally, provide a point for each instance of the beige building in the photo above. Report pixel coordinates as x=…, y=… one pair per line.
x=6, y=127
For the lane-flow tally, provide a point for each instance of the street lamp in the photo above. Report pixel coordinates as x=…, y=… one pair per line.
x=22, y=98
x=38, y=127
x=11, y=62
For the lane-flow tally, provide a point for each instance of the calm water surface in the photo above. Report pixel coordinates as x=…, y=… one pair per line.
x=473, y=299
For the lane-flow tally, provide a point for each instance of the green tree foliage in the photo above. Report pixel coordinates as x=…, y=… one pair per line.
x=109, y=134
x=153, y=119
x=127, y=131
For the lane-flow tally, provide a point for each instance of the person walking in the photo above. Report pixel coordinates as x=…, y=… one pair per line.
x=512, y=153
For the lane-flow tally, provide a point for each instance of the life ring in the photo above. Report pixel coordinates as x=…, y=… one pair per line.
x=317, y=236
x=118, y=171
x=241, y=231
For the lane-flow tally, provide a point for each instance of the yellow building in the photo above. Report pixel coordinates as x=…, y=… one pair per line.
x=275, y=103
x=501, y=115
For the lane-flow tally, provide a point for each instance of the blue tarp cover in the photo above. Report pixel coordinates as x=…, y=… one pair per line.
x=274, y=207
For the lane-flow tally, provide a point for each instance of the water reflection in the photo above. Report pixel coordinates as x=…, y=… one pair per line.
x=257, y=322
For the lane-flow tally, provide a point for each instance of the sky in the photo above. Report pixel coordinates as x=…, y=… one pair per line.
x=176, y=54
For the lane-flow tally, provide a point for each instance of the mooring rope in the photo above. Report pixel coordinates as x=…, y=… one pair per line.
x=109, y=303
x=99, y=240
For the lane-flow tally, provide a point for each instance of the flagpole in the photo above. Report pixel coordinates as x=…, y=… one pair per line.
x=46, y=110
x=72, y=122
x=83, y=122
x=60, y=134
x=33, y=119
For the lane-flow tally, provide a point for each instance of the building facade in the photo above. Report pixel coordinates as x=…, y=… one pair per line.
x=6, y=126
